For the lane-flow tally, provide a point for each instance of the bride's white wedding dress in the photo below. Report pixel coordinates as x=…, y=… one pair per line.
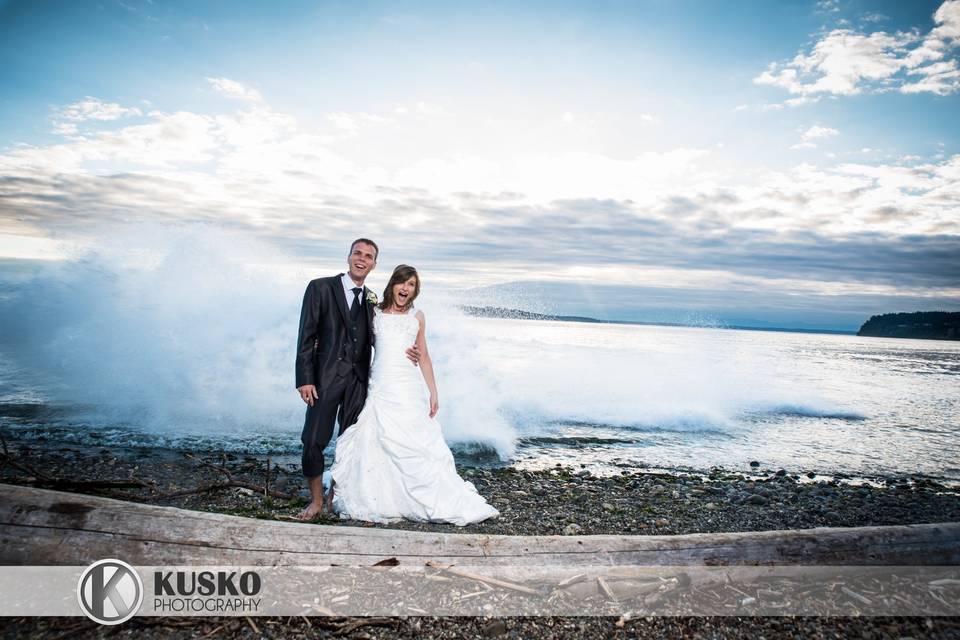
x=393, y=462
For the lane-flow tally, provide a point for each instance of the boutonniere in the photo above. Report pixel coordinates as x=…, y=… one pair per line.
x=372, y=297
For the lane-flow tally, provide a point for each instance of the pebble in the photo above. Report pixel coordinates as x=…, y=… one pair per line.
x=572, y=529
x=494, y=628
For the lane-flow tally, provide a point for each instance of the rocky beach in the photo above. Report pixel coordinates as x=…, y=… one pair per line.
x=557, y=501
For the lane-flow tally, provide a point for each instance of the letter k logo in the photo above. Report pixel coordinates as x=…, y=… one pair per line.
x=110, y=591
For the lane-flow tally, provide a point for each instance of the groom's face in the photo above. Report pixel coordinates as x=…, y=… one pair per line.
x=361, y=261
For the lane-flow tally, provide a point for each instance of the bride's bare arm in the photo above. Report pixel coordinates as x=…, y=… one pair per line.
x=426, y=365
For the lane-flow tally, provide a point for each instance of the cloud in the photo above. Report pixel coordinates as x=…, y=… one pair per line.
x=817, y=131
x=778, y=106
x=828, y=6
x=66, y=121
x=678, y=216
x=166, y=140
x=235, y=90
x=94, y=109
x=875, y=16
x=801, y=101
x=421, y=108
x=67, y=129
x=941, y=78
x=565, y=175
x=845, y=62
x=429, y=109
x=839, y=64
x=352, y=122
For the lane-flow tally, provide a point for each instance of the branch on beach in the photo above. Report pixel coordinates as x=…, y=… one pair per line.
x=44, y=481
x=22, y=466
x=223, y=470
x=351, y=625
x=480, y=578
x=37, y=479
x=83, y=485
x=231, y=484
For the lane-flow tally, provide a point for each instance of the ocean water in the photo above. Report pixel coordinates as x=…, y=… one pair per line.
x=674, y=397
x=189, y=346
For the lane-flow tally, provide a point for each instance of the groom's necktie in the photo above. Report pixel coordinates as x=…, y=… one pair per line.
x=355, y=307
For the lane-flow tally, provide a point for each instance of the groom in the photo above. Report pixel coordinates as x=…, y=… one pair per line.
x=333, y=359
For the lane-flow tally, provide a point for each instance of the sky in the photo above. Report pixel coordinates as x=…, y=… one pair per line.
x=791, y=164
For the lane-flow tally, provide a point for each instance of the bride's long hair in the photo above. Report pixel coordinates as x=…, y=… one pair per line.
x=401, y=274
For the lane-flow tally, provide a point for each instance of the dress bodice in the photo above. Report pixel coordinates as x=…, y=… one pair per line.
x=395, y=333
x=395, y=326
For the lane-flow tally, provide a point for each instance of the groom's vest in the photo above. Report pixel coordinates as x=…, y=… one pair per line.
x=359, y=334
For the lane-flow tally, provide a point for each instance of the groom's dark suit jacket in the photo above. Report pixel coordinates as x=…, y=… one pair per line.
x=325, y=348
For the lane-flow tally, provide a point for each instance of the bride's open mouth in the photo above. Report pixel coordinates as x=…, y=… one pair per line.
x=403, y=296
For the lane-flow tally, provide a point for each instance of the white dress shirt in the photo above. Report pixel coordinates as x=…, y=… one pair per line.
x=348, y=287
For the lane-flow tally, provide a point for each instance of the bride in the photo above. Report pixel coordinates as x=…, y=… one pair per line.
x=393, y=462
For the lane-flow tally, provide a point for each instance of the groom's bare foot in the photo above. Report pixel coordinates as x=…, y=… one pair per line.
x=328, y=506
x=312, y=510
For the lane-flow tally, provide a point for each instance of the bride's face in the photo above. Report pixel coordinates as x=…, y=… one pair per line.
x=403, y=291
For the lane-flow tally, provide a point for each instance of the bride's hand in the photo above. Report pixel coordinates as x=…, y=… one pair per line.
x=413, y=354
x=434, y=405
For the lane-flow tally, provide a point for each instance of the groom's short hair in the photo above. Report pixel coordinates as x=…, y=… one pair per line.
x=368, y=241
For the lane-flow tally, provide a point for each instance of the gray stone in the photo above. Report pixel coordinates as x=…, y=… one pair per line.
x=494, y=628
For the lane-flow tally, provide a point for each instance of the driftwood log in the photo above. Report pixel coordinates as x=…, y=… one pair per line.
x=44, y=527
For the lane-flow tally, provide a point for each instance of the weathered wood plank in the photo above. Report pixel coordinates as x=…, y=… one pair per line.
x=43, y=527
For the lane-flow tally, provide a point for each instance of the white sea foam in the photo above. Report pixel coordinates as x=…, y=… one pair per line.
x=185, y=331
x=637, y=377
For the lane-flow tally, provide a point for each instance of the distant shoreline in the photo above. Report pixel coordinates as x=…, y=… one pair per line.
x=518, y=314
x=919, y=325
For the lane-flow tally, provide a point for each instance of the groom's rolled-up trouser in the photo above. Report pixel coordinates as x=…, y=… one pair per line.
x=346, y=395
